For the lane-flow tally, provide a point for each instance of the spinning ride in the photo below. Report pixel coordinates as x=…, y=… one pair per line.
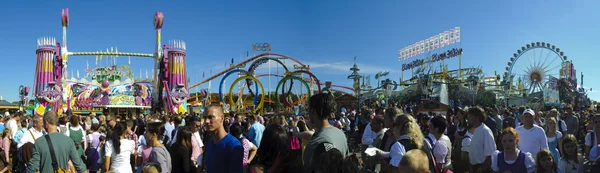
x=106, y=89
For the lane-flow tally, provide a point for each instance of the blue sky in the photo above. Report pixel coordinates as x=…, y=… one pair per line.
x=326, y=35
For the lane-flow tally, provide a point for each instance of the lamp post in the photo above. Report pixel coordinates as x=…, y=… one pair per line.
x=356, y=77
x=473, y=81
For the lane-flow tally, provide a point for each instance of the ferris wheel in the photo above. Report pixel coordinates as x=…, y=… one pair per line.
x=532, y=66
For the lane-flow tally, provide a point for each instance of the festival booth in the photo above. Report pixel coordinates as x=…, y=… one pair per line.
x=348, y=101
x=6, y=106
x=435, y=107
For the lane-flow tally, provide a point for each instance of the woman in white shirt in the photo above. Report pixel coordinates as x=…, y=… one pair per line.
x=118, y=150
x=407, y=131
x=512, y=159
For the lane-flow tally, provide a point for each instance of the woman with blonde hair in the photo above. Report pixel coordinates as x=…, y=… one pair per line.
x=553, y=136
x=408, y=136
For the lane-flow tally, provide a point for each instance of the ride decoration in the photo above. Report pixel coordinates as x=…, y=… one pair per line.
x=23, y=95
x=261, y=61
x=291, y=77
x=65, y=17
x=158, y=20
x=262, y=98
x=221, y=98
x=284, y=95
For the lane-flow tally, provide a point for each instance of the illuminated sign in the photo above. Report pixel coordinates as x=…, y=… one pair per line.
x=434, y=58
x=110, y=73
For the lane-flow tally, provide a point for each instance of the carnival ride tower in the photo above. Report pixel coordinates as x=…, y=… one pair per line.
x=174, y=77
x=48, y=74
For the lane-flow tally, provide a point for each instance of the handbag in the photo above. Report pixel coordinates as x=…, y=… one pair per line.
x=54, y=162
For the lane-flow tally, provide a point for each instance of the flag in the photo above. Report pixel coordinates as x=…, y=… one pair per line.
x=414, y=46
x=446, y=38
x=427, y=44
x=354, y=58
x=422, y=46
x=202, y=74
x=451, y=36
x=401, y=54
x=431, y=41
x=457, y=34
x=441, y=40
x=436, y=41
x=211, y=71
x=231, y=60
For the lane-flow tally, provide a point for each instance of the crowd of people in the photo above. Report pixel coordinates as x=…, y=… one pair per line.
x=328, y=139
x=212, y=142
x=483, y=139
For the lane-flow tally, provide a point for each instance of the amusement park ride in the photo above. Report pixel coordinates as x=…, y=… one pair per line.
x=54, y=91
x=112, y=89
x=251, y=81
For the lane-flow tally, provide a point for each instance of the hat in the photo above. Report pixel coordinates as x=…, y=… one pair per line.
x=529, y=111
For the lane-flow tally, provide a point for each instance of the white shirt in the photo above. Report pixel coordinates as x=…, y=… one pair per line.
x=198, y=139
x=594, y=146
x=482, y=145
x=119, y=163
x=565, y=166
x=12, y=125
x=532, y=140
x=28, y=138
x=397, y=152
x=441, y=148
x=529, y=161
x=466, y=142
x=368, y=135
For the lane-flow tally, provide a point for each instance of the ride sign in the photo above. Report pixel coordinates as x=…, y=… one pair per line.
x=434, y=58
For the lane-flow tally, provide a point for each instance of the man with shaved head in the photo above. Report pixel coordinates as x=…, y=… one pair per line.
x=54, y=146
x=226, y=152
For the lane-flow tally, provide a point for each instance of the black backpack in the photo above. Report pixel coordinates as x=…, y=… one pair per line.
x=410, y=145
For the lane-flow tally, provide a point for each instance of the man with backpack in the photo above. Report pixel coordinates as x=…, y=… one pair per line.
x=53, y=151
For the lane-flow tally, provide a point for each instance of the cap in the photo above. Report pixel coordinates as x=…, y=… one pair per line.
x=529, y=111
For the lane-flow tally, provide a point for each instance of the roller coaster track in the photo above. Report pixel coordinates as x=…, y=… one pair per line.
x=241, y=64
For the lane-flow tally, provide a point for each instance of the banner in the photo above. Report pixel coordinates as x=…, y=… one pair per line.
x=551, y=95
x=437, y=41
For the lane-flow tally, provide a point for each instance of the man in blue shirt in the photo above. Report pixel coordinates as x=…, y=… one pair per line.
x=226, y=152
x=256, y=130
